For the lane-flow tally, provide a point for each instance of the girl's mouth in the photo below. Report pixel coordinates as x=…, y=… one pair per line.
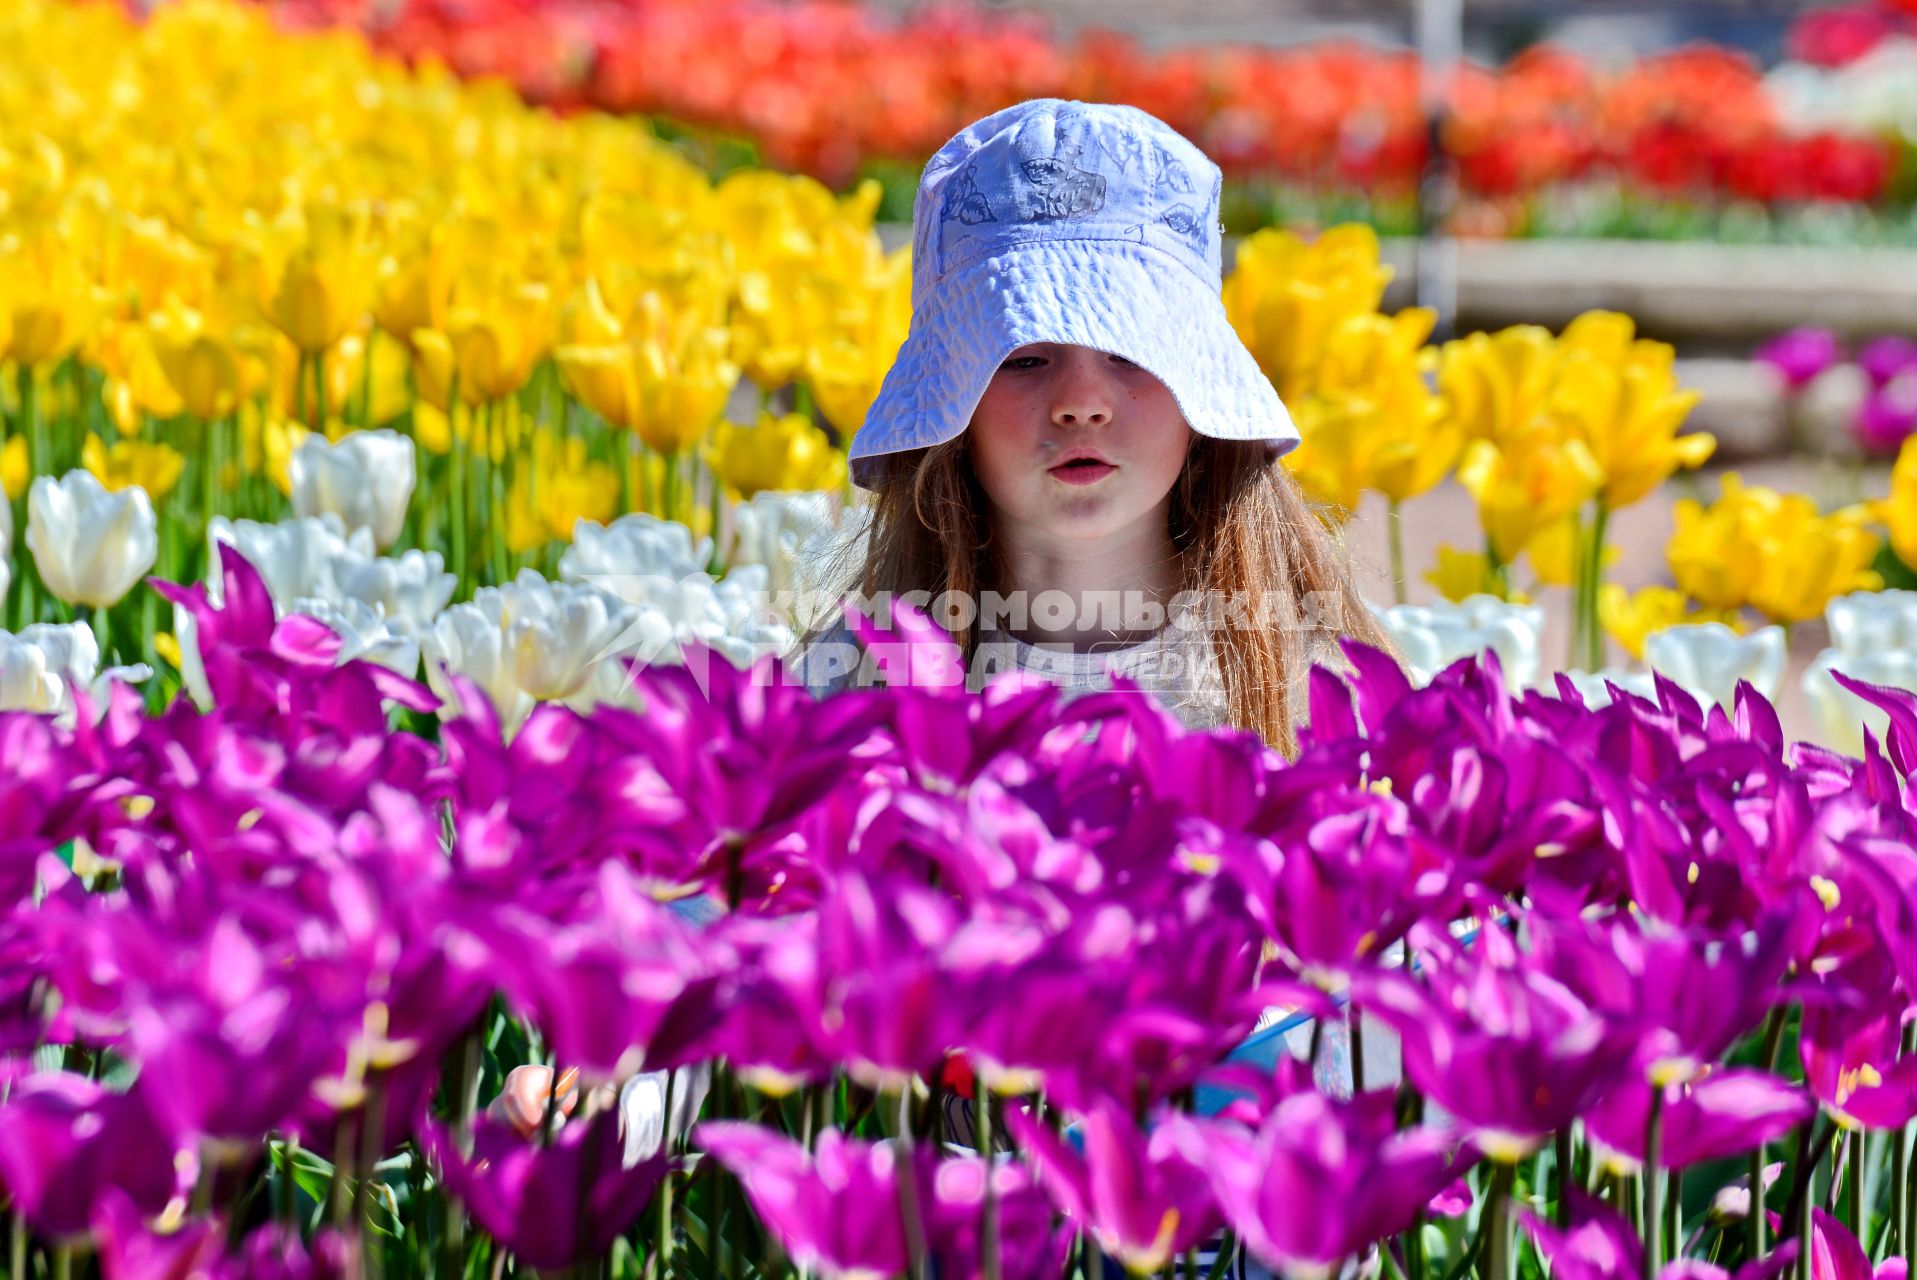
x=1082, y=471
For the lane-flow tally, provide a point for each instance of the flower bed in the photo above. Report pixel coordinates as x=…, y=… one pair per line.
x=266, y=962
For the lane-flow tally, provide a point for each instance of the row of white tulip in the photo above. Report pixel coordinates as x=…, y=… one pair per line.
x=639, y=589
x=1873, y=639
x=1875, y=94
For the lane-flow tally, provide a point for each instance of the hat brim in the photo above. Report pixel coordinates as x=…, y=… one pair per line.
x=1131, y=300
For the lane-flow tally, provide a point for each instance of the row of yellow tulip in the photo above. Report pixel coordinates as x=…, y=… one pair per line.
x=1550, y=435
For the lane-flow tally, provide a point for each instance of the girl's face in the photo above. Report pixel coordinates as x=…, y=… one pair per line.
x=1077, y=443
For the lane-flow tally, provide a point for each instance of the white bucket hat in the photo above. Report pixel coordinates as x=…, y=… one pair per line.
x=1070, y=222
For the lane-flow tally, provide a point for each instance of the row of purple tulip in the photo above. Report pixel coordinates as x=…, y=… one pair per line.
x=262, y=966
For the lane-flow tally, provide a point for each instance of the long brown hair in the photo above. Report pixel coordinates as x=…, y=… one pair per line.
x=1240, y=525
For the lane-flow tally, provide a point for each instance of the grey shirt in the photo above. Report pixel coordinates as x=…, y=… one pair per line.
x=1177, y=665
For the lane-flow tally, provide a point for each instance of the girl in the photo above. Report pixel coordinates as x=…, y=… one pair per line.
x=1074, y=459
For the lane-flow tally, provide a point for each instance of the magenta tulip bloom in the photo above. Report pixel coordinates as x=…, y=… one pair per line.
x=1884, y=358
x=1691, y=993
x=66, y=1143
x=838, y=1208
x=1798, y=357
x=1136, y=1192
x=1320, y=1178
x=1852, y=1064
x=1509, y=1052
x=1887, y=415
x=1724, y=1113
x=553, y=1206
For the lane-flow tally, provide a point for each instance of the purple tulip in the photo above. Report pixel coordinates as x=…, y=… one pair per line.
x=1509, y=1052
x=552, y=1206
x=1887, y=415
x=1032, y=1245
x=1723, y=1113
x=1137, y=1193
x=839, y=1208
x=1800, y=355
x=1597, y=1244
x=66, y=1142
x=1852, y=1064
x=1343, y=880
x=1691, y=994
x=1319, y=1179
x=129, y=1251
x=1884, y=358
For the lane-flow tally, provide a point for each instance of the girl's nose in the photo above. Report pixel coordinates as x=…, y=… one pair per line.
x=1082, y=395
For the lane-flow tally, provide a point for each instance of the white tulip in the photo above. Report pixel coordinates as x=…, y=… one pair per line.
x=409, y=589
x=39, y=666
x=365, y=632
x=467, y=640
x=366, y=480
x=532, y=641
x=636, y=545
x=90, y=545
x=1708, y=659
x=298, y=558
x=780, y=530
x=1869, y=622
x=1432, y=637
x=1841, y=714
x=1592, y=686
x=559, y=634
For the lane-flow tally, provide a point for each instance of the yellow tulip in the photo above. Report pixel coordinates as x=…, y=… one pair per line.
x=1810, y=560
x=1526, y=487
x=846, y=368
x=1553, y=552
x=204, y=372
x=1622, y=397
x=267, y=447
x=1630, y=616
x=1899, y=510
x=16, y=469
x=51, y=305
x=1285, y=296
x=557, y=488
x=153, y=467
x=1772, y=551
x=1713, y=551
x=1459, y=574
x=603, y=378
x=495, y=348
x=1495, y=384
x=315, y=304
x=324, y=286
x=136, y=383
x=780, y=452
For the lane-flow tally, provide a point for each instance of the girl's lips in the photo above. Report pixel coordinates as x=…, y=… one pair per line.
x=1083, y=472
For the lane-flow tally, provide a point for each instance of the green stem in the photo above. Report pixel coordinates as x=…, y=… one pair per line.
x=1561, y=1147
x=907, y=1166
x=319, y=390
x=669, y=488
x=988, y=1231
x=1496, y=1226
x=103, y=632
x=1594, y=657
x=1652, y=1227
